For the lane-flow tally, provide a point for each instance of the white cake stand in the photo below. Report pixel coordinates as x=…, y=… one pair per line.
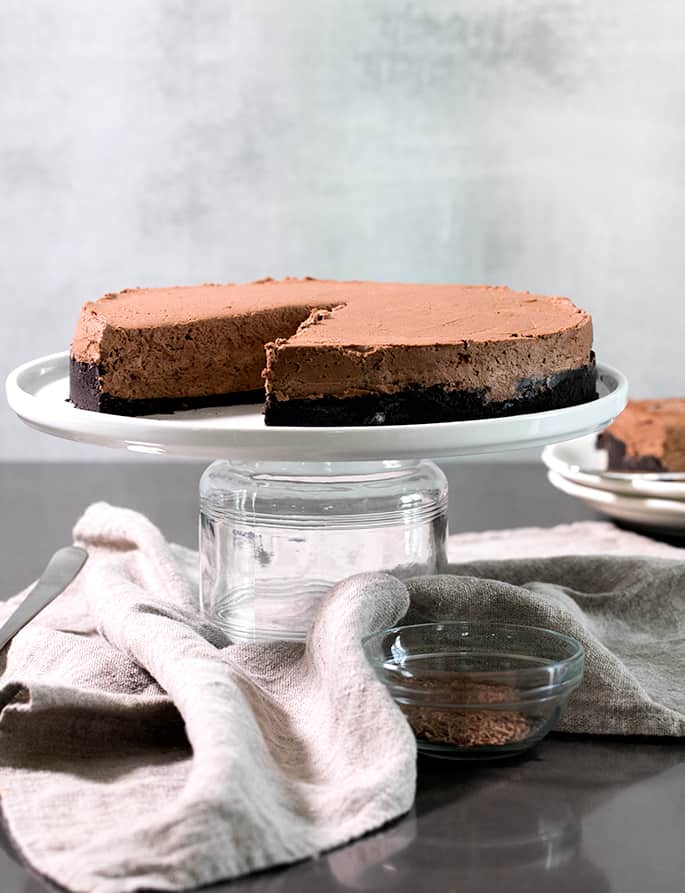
x=38, y=392
x=286, y=512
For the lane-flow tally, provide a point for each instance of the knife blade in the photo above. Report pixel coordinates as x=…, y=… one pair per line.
x=62, y=568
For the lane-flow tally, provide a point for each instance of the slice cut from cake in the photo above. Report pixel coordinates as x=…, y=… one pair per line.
x=336, y=353
x=649, y=435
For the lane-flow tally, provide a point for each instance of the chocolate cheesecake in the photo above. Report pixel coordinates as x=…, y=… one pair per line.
x=649, y=435
x=333, y=353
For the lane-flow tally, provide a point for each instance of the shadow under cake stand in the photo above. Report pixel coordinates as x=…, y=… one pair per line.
x=285, y=512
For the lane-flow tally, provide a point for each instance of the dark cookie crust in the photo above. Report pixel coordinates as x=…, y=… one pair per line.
x=619, y=460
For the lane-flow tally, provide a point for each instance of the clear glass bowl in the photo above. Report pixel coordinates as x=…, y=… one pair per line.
x=275, y=536
x=472, y=689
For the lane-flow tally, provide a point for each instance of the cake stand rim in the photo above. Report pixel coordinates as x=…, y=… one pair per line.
x=199, y=433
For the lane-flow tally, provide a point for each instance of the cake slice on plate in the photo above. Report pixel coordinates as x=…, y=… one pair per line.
x=333, y=353
x=649, y=435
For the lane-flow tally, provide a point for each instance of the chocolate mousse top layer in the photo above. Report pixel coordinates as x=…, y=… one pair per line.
x=164, y=308
x=365, y=312
x=362, y=336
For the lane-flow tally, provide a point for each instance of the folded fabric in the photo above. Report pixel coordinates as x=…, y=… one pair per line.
x=139, y=749
x=620, y=594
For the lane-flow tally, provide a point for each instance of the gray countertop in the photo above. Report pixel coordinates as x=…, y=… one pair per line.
x=576, y=813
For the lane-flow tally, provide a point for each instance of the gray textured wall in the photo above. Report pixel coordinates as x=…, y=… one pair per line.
x=538, y=143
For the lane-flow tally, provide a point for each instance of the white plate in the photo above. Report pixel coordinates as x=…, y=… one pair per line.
x=666, y=515
x=582, y=463
x=38, y=390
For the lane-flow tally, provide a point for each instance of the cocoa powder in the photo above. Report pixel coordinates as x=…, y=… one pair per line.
x=467, y=727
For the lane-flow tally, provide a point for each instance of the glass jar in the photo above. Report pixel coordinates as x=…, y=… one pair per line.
x=275, y=536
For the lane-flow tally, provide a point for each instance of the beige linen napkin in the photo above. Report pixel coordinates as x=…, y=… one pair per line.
x=102, y=790
x=138, y=749
x=620, y=594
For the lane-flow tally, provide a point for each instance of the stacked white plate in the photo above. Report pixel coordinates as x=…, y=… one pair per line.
x=656, y=501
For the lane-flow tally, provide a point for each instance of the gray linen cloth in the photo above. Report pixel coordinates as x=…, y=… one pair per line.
x=139, y=750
